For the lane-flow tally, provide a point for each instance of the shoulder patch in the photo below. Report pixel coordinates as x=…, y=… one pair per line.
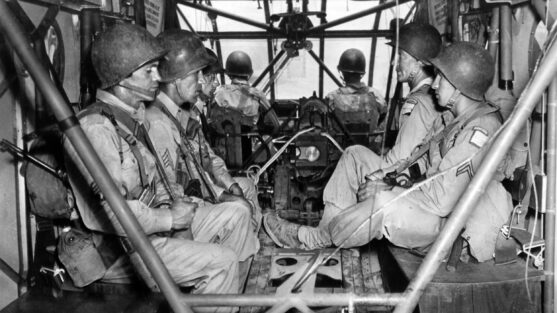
x=479, y=136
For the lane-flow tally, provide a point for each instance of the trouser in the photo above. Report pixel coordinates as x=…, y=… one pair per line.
x=250, y=193
x=222, y=236
x=405, y=221
x=341, y=192
x=227, y=224
x=208, y=267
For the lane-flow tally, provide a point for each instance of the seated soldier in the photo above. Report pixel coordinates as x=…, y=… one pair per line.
x=125, y=58
x=417, y=44
x=355, y=97
x=208, y=83
x=240, y=96
x=455, y=146
x=188, y=159
x=239, y=108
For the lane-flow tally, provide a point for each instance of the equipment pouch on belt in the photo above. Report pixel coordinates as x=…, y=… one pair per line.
x=79, y=254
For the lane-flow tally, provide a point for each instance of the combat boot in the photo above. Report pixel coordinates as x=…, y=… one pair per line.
x=283, y=233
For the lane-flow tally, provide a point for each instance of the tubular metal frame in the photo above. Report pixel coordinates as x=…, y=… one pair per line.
x=550, y=221
x=405, y=302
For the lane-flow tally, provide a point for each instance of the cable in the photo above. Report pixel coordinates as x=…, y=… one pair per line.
x=532, y=177
x=335, y=143
x=279, y=153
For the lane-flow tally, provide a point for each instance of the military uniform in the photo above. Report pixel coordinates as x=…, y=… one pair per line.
x=357, y=161
x=357, y=96
x=241, y=97
x=207, y=266
x=414, y=220
x=167, y=139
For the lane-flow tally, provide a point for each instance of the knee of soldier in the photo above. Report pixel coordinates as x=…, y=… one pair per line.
x=355, y=149
x=240, y=210
x=353, y=152
x=228, y=257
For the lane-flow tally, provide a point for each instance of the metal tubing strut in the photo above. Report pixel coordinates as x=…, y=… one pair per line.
x=538, y=83
x=549, y=290
x=494, y=33
x=377, y=8
x=231, y=16
x=373, y=48
x=505, y=52
x=313, y=300
x=269, y=68
x=267, y=11
x=324, y=66
x=183, y=16
x=322, y=21
x=218, y=46
x=328, y=34
x=88, y=155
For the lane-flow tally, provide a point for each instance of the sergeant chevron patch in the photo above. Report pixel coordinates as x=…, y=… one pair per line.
x=467, y=169
x=166, y=159
x=479, y=137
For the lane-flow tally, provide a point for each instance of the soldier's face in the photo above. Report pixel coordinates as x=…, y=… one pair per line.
x=145, y=81
x=443, y=89
x=187, y=87
x=406, y=66
x=208, y=83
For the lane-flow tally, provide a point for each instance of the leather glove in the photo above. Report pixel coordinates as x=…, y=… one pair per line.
x=182, y=213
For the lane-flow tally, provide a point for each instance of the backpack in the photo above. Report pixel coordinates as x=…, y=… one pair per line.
x=50, y=196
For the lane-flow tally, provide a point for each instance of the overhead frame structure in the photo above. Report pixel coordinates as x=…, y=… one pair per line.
x=321, y=32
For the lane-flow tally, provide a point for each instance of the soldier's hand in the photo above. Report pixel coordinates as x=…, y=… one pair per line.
x=370, y=188
x=182, y=213
x=236, y=190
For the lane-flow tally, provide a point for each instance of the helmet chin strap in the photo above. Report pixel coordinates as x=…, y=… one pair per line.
x=145, y=93
x=452, y=100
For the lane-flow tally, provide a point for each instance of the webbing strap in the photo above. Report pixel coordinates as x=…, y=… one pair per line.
x=186, y=148
x=426, y=145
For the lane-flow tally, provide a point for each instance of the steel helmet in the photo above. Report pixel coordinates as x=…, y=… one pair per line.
x=422, y=41
x=186, y=54
x=468, y=67
x=215, y=67
x=238, y=63
x=121, y=50
x=352, y=61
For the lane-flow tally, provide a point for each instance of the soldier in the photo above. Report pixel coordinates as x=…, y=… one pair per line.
x=414, y=220
x=417, y=44
x=355, y=95
x=188, y=159
x=208, y=82
x=239, y=95
x=125, y=58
